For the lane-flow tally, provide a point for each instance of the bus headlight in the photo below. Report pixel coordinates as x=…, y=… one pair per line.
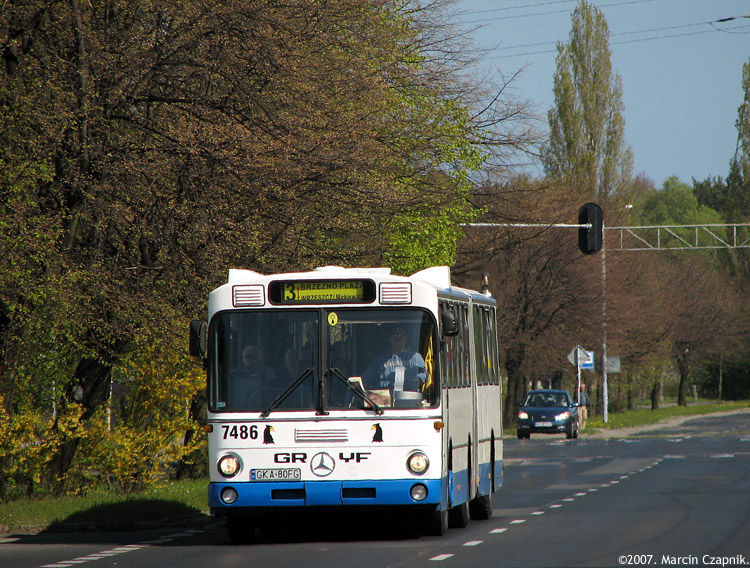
x=229, y=465
x=418, y=463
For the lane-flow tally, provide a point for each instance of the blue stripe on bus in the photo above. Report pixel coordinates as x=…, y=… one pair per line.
x=485, y=478
x=458, y=482
x=458, y=485
x=498, y=475
x=323, y=493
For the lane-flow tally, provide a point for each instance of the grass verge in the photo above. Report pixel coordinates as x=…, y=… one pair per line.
x=171, y=504
x=646, y=416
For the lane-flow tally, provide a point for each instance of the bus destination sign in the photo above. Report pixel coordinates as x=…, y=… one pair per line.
x=322, y=291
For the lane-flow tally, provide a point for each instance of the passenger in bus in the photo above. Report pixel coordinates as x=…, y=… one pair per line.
x=291, y=370
x=399, y=368
x=246, y=381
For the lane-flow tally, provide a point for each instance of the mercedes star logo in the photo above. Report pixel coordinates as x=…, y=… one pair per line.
x=322, y=464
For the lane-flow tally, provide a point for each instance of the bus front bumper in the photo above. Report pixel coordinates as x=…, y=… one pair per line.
x=224, y=497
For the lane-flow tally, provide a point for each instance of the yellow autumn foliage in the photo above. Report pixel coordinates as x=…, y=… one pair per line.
x=144, y=435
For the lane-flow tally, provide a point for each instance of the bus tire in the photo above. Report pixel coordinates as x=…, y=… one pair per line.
x=480, y=508
x=458, y=516
x=437, y=524
x=241, y=530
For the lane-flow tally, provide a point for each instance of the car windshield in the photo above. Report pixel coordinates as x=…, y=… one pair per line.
x=546, y=400
x=318, y=359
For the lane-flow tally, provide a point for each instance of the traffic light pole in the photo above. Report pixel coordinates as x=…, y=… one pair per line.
x=643, y=238
x=605, y=391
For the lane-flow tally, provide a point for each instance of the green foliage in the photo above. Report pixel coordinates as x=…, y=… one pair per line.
x=138, y=440
x=28, y=440
x=587, y=127
x=146, y=147
x=420, y=241
x=676, y=204
x=132, y=443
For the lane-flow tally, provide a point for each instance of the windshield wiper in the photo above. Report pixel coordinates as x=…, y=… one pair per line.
x=279, y=399
x=352, y=387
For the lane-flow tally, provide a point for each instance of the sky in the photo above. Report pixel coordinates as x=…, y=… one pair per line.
x=681, y=71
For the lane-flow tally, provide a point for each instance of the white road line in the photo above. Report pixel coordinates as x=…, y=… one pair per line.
x=498, y=531
x=472, y=543
x=441, y=557
x=123, y=549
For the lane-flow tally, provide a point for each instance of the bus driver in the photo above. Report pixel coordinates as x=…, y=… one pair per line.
x=399, y=368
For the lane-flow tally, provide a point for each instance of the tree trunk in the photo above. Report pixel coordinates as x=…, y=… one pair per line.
x=90, y=389
x=656, y=394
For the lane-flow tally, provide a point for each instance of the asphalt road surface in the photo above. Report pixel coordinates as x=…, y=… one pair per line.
x=662, y=497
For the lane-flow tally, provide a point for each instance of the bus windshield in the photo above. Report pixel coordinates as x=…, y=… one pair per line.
x=322, y=359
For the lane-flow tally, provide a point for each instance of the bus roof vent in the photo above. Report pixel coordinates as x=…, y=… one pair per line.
x=436, y=276
x=395, y=293
x=248, y=295
x=239, y=274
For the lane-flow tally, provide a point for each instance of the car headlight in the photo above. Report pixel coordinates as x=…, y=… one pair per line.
x=418, y=463
x=523, y=415
x=229, y=465
x=563, y=415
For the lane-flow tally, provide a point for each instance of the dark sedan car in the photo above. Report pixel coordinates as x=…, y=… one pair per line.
x=548, y=412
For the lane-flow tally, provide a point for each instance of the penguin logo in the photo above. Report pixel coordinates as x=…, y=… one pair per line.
x=378, y=436
x=267, y=438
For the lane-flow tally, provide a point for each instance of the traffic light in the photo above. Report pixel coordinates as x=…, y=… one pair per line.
x=590, y=239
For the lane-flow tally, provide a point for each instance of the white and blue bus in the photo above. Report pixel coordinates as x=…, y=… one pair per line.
x=351, y=388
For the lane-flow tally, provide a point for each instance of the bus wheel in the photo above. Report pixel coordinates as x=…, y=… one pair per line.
x=458, y=517
x=437, y=524
x=480, y=508
x=241, y=530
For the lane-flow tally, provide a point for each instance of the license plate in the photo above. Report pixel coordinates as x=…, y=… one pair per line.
x=278, y=474
x=543, y=424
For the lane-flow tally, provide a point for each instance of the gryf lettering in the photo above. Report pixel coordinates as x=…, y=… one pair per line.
x=358, y=457
x=286, y=457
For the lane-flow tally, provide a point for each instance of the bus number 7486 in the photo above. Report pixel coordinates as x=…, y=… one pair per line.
x=242, y=432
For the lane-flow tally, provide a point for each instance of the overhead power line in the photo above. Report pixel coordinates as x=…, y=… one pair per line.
x=484, y=20
x=712, y=23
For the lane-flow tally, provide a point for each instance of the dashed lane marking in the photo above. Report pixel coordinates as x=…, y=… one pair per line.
x=120, y=550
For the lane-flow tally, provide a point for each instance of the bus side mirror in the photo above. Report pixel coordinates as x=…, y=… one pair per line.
x=450, y=323
x=198, y=339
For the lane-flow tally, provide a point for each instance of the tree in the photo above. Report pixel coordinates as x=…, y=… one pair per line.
x=737, y=206
x=699, y=318
x=543, y=285
x=587, y=127
x=148, y=146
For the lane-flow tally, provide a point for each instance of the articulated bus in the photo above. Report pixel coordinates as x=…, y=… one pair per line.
x=351, y=389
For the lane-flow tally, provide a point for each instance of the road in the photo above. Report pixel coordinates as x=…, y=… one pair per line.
x=669, y=496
